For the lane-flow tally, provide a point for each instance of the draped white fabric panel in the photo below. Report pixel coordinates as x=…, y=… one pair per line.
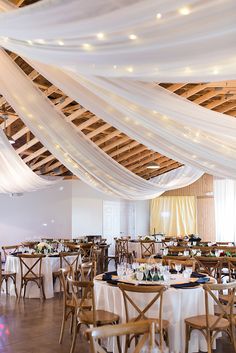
x=164, y=40
x=130, y=107
x=225, y=209
x=15, y=175
x=71, y=147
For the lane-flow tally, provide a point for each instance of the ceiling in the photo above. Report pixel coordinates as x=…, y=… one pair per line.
x=218, y=96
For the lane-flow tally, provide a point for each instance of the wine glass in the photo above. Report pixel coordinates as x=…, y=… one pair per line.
x=178, y=268
x=146, y=272
x=153, y=272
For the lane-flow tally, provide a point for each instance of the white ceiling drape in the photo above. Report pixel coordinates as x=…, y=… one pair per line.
x=71, y=147
x=162, y=40
x=160, y=120
x=15, y=175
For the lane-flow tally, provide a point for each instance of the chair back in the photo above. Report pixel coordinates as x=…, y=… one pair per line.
x=70, y=261
x=88, y=271
x=143, y=330
x=209, y=265
x=81, y=292
x=31, y=265
x=132, y=304
x=231, y=266
x=226, y=311
x=7, y=250
x=86, y=251
x=147, y=248
x=183, y=263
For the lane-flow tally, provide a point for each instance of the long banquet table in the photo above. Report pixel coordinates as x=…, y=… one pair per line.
x=50, y=264
x=178, y=304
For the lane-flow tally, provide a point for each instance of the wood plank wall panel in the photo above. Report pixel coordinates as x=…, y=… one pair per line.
x=202, y=189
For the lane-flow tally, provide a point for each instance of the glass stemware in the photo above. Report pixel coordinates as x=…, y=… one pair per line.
x=178, y=268
x=153, y=272
x=139, y=275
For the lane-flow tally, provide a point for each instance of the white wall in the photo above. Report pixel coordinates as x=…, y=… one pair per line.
x=70, y=208
x=36, y=214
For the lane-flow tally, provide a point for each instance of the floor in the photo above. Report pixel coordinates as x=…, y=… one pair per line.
x=33, y=327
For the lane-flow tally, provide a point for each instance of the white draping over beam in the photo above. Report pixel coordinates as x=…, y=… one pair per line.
x=162, y=121
x=167, y=41
x=15, y=175
x=71, y=147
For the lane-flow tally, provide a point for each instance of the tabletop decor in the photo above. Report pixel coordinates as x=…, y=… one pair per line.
x=43, y=248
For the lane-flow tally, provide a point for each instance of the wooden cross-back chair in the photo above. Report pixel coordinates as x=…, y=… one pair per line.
x=209, y=265
x=5, y=276
x=82, y=291
x=144, y=330
x=86, y=250
x=9, y=249
x=183, y=263
x=211, y=325
x=123, y=250
x=31, y=271
x=69, y=304
x=230, y=265
x=147, y=248
x=161, y=326
x=68, y=262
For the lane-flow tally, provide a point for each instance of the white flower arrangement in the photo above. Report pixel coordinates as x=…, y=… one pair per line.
x=43, y=246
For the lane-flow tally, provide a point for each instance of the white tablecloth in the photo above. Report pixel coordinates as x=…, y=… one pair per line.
x=136, y=247
x=50, y=264
x=178, y=304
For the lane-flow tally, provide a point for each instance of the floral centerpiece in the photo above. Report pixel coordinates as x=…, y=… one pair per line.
x=43, y=247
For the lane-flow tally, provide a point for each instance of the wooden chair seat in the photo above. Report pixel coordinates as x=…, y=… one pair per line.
x=8, y=273
x=165, y=323
x=102, y=317
x=199, y=322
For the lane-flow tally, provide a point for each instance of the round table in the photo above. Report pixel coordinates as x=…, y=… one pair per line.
x=50, y=264
x=178, y=304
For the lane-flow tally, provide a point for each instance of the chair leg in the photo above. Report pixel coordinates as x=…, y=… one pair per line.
x=14, y=281
x=21, y=286
x=208, y=341
x=62, y=326
x=43, y=291
x=76, y=328
x=71, y=322
x=6, y=280
x=187, y=336
x=232, y=334
x=24, y=289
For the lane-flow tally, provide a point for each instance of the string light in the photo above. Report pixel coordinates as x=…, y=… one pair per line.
x=215, y=71
x=86, y=46
x=100, y=36
x=60, y=42
x=158, y=16
x=40, y=41
x=133, y=36
x=30, y=42
x=115, y=67
x=184, y=11
x=130, y=69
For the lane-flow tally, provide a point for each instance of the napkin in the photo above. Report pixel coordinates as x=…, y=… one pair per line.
x=197, y=275
x=203, y=280
x=185, y=285
x=108, y=275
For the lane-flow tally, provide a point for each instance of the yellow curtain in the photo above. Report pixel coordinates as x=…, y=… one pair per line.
x=173, y=215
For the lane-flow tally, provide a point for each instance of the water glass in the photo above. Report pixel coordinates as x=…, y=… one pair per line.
x=139, y=275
